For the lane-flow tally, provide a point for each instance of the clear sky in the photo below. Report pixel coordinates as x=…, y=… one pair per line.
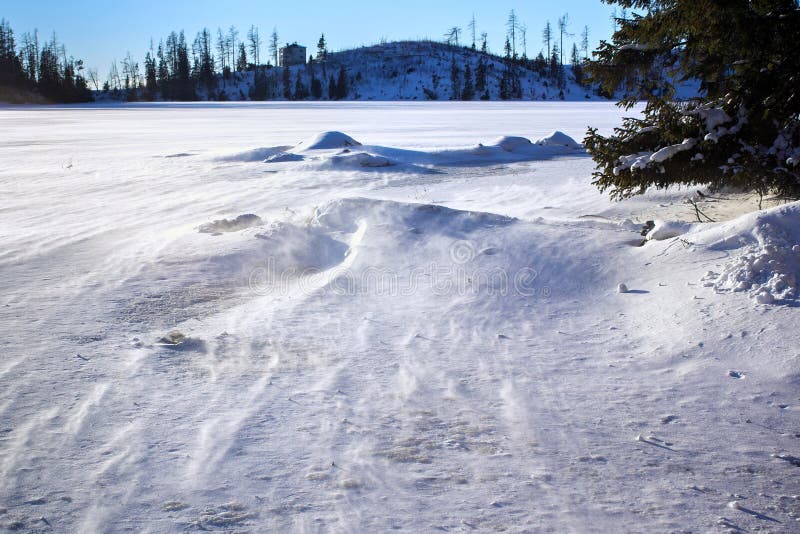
x=99, y=31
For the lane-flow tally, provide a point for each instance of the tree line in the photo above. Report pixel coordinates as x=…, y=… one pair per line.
x=209, y=67
x=34, y=71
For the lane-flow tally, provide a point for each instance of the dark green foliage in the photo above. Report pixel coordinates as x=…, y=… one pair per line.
x=204, y=69
x=468, y=92
x=300, y=89
x=539, y=65
x=332, y=88
x=455, y=80
x=316, y=88
x=744, y=131
x=260, y=89
x=241, y=61
x=175, y=73
x=480, y=75
x=34, y=76
x=287, y=83
x=322, y=49
x=342, y=85
x=150, y=77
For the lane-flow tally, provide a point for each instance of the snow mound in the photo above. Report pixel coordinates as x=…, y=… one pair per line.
x=361, y=159
x=256, y=154
x=284, y=157
x=343, y=215
x=668, y=229
x=559, y=139
x=328, y=141
x=221, y=226
x=768, y=266
x=511, y=143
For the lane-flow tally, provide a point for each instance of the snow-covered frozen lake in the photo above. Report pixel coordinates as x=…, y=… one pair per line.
x=418, y=332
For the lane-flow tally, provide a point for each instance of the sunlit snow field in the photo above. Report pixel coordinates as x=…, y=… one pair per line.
x=420, y=333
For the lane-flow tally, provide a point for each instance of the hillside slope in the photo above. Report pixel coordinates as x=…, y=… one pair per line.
x=408, y=70
x=405, y=70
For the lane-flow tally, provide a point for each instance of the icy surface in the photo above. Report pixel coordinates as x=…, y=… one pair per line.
x=440, y=344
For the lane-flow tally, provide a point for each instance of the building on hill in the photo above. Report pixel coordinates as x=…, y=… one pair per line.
x=292, y=54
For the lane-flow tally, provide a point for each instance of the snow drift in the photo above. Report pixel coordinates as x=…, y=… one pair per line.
x=763, y=250
x=336, y=150
x=328, y=141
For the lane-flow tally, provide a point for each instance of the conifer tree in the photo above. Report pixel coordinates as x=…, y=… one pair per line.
x=241, y=62
x=481, y=75
x=455, y=80
x=300, y=89
x=342, y=87
x=322, y=49
x=150, y=77
x=287, y=83
x=468, y=92
x=316, y=87
x=744, y=128
x=332, y=91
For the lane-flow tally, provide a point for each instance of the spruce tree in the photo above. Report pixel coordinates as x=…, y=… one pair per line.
x=743, y=129
x=316, y=87
x=468, y=92
x=287, y=83
x=481, y=75
x=150, y=77
x=455, y=80
x=300, y=89
x=342, y=88
x=332, y=91
x=241, y=62
x=322, y=49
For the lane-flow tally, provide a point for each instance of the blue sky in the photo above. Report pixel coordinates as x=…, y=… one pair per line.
x=101, y=31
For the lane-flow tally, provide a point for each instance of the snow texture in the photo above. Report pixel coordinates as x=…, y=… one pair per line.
x=434, y=345
x=765, y=255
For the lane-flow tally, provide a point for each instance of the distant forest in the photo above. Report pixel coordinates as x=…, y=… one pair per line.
x=176, y=70
x=39, y=72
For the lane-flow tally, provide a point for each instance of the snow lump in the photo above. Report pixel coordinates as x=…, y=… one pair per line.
x=328, y=141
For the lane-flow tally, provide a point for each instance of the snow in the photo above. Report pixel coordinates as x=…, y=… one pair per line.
x=764, y=261
x=437, y=344
x=666, y=153
x=327, y=141
x=559, y=139
x=713, y=117
x=668, y=229
x=642, y=159
x=510, y=143
x=231, y=225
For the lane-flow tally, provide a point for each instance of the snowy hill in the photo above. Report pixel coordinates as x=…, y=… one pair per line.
x=417, y=70
x=408, y=70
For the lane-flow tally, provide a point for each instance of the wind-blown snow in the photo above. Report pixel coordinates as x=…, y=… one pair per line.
x=765, y=255
x=441, y=344
x=328, y=141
